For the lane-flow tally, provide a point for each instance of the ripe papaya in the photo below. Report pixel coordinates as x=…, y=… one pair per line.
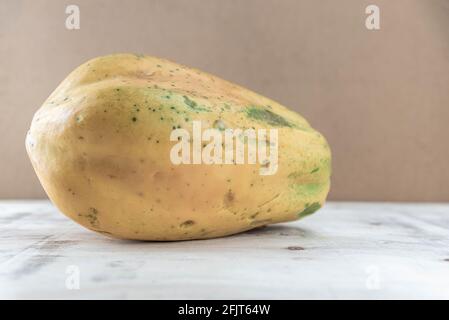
x=102, y=148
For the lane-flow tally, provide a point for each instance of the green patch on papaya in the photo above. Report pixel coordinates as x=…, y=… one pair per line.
x=326, y=165
x=295, y=175
x=309, y=209
x=267, y=116
x=308, y=189
x=314, y=170
x=193, y=105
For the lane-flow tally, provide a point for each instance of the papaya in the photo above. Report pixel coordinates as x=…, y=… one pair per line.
x=136, y=147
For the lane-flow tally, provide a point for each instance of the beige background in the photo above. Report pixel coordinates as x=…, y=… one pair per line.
x=380, y=97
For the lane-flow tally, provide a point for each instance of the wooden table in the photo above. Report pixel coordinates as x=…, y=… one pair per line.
x=346, y=250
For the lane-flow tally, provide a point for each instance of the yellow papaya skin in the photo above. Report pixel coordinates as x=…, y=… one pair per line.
x=100, y=146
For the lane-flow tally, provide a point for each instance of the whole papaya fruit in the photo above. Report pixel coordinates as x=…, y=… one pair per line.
x=117, y=149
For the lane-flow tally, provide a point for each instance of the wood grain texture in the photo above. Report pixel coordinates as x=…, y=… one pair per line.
x=346, y=250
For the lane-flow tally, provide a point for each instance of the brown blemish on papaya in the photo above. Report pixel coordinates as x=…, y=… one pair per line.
x=265, y=164
x=253, y=216
x=229, y=198
x=158, y=175
x=187, y=224
x=91, y=216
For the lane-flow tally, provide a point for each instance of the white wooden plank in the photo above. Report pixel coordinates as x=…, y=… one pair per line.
x=346, y=250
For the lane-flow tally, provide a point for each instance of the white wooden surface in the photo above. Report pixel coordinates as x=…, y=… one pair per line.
x=346, y=250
